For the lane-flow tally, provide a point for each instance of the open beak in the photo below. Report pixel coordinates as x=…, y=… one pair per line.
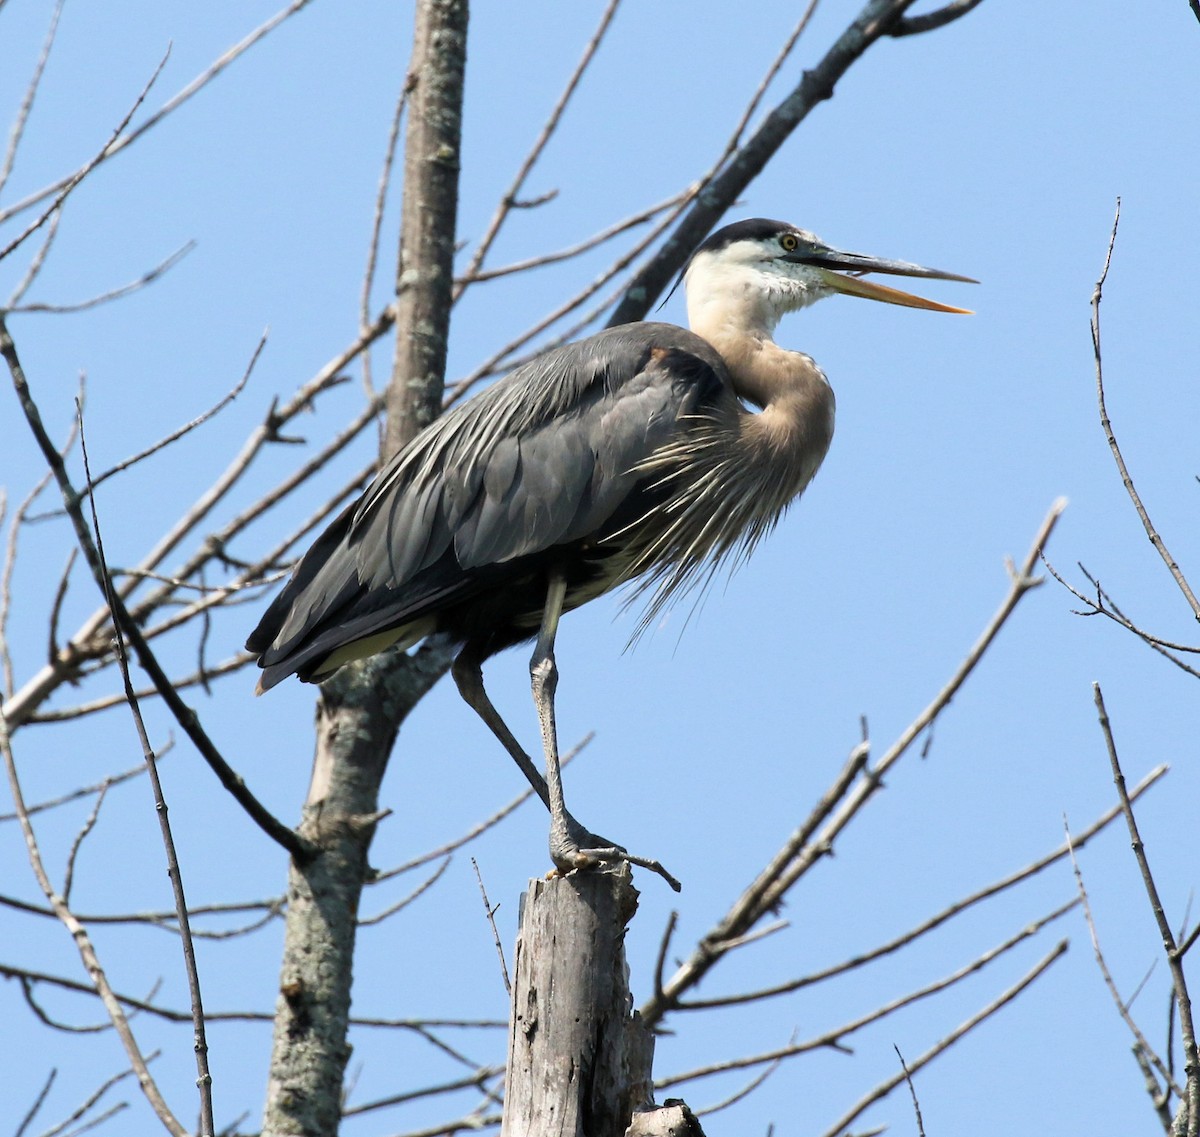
x=834, y=264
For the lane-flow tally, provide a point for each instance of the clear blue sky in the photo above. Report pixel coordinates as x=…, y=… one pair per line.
x=995, y=148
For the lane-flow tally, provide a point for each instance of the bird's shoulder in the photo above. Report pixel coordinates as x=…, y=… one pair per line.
x=618, y=367
x=614, y=363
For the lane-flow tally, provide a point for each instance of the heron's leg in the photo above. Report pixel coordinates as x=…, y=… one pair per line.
x=543, y=674
x=467, y=670
x=571, y=846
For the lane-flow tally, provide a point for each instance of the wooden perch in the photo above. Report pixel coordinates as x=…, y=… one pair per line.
x=579, y=1058
x=671, y=1119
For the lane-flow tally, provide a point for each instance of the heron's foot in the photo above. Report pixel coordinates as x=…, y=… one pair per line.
x=575, y=848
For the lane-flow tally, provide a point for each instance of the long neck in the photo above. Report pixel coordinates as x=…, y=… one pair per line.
x=795, y=425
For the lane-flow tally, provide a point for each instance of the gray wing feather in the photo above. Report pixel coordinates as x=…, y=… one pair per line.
x=543, y=457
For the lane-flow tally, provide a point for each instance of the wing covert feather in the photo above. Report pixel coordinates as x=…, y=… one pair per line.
x=544, y=456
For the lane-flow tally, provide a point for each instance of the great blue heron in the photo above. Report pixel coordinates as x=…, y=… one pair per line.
x=628, y=456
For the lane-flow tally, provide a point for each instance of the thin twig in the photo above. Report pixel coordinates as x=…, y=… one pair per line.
x=38, y=1101
x=381, y=194
x=56, y=604
x=930, y=21
x=1121, y=1004
x=107, y=702
x=577, y=249
x=83, y=945
x=912, y=1090
x=1191, y=1056
x=88, y=825
x=842, y=1125
x=1126, y=479
x=184, y=715
x=36, y=263
x=742, y=1092
x=1104, y=605
x=187, y=427
x=490, y=912
x=509, y=198
x=199, y=83
x=405, y=901
x=266, y=1017
x=17, y=132
x=73, y=182
x=90, y=1102
x=477, y=1080
x=147, y=278
x=200, y=1042
x=10, y=564
x=925, y=927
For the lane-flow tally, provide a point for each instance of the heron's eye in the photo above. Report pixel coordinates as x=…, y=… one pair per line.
x=789, y=242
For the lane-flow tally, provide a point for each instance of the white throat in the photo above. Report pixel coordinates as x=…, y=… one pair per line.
x=742, y=298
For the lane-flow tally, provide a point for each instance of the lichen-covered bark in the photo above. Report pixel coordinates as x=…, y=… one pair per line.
x=362, y=706
x=360, y=711
x=425, y=267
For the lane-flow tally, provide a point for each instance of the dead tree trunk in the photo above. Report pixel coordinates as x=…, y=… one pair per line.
x=579, y=1058
x=363, y=705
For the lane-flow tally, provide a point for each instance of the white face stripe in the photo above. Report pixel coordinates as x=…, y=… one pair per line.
x=748, y=283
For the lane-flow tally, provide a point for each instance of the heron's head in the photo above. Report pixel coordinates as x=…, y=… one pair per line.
x=762, y=269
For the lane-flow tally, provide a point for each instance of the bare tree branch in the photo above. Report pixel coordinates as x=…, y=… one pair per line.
x=926, y=926
x=1142, y=1046
x=381, y=194
x=187, y=427
x=478, y=1080
x=930, y=21
x=1126, y=479
x=184, y=715
x=83, y=944
x=855, y=785
x=120, y=143
x=17, y=131
x=147, y=278
x=1104, y=605
x=875, y=20
x=200, y=1046
x=405, y=901
x=840, y=1127
x=509, y=199
x=91, y=640
x=835, y=1037
x=74, y=181
x=1191, y=1055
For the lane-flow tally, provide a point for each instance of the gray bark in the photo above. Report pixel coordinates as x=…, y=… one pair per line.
x=362, y=706
x=425, y=266
x=579, y=1058
x=671, y=1119
x=359, y=713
